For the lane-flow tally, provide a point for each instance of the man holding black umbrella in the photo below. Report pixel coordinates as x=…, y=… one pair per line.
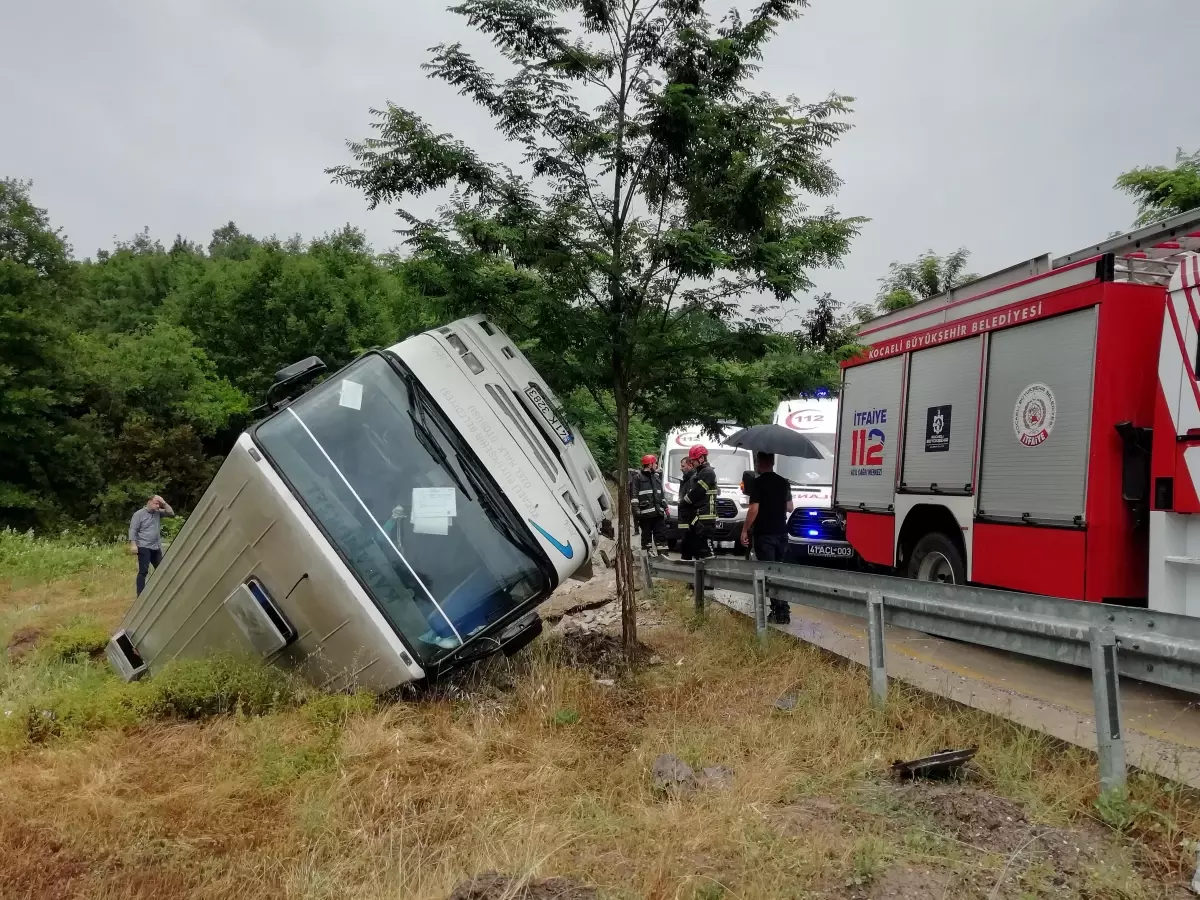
x=770, y=509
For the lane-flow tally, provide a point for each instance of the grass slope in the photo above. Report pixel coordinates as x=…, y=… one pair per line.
x=254, y=785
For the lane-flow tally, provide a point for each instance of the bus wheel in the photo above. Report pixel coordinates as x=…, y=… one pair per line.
x=936, y=558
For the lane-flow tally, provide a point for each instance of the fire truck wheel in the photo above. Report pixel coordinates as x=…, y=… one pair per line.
x=936, y=558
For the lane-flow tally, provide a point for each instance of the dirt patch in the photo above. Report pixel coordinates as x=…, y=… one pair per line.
x=36, y=863
x=995, y=825
x=811, y=816
x=494, y=886
x=22, y=643
x=904, y=883
x=597, y=651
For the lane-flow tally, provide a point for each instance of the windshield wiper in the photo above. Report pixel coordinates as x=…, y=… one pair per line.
x=497, y=512
x=435, y=449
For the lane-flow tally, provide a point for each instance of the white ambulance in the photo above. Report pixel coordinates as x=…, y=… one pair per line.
x=730, y=464
x=816, y=532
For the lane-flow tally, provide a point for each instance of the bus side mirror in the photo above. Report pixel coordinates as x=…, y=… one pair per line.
x=293, y=376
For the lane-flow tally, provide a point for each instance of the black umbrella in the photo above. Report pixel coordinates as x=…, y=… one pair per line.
x=774, y=439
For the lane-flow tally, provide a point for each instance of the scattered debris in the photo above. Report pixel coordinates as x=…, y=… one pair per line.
x=943, y=764
x=672, y=775
x=786, y=703
x=604, y=615
x=718, y=778
x=494, y=886
x=605, y=682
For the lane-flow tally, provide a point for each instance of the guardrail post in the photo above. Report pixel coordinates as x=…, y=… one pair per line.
x=647, y=574
x=1110, y=745
x=879, y=683
x=698, y=586
x=760, y=604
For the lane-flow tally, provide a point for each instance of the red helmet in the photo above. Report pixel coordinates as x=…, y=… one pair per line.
x=699, y=451
x=649, y=459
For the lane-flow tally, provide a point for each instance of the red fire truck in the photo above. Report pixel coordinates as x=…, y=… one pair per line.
x=1038, y=429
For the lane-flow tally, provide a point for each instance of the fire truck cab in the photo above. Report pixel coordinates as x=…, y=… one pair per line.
x=1037, y=429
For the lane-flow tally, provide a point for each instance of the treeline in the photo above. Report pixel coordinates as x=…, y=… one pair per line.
x=132, y=373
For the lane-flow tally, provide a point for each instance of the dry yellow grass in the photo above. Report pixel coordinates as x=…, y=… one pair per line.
x=408, y=800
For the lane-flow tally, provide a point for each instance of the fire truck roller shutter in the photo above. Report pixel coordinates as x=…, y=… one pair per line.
x=1037, y=419
x=869, y=437
x=943, y=408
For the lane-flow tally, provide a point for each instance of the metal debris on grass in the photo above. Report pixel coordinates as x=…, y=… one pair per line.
x=943, y=764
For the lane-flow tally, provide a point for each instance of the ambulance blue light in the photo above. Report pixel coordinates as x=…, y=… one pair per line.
x=822, y=392
x=812, y=532
x=813, y=512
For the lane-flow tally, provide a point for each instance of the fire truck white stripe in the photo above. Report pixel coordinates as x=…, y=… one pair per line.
x=1170, y=369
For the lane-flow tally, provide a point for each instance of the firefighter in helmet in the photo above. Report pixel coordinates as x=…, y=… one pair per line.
x=698, y=506
x=649, y=505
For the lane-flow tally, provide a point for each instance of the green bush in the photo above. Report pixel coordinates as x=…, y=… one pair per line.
x=334, y=710
x=79, y=639
x=68, y=695
x=194, y=688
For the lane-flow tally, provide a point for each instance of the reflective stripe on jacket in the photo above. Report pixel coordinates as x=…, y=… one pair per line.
x=701, y=495
x=648, y=499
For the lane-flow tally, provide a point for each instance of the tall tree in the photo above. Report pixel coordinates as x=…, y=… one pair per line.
x=928, y=276
x=658, y=190
x=1161, y=191
x=35, y=392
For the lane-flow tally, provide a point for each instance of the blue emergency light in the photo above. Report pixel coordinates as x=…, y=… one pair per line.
x=812, y=532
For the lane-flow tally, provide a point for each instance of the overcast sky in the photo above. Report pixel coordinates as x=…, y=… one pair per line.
x=998, y=126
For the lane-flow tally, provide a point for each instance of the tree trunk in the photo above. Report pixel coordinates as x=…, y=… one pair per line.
x=625, y=577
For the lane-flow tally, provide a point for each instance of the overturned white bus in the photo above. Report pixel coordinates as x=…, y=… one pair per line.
x=400, y=519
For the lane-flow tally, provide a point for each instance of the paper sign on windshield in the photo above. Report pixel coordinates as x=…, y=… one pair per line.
x=351, y=395
x=432, y=509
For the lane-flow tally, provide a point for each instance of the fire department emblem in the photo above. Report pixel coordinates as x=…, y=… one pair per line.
x=1034, y=414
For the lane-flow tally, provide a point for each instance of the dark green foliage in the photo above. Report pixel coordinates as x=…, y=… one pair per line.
x=132, y=374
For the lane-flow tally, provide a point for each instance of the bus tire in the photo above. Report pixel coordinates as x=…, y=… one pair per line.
x=936, y=558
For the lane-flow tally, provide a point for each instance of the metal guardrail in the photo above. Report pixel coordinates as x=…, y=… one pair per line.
x=1110, y=641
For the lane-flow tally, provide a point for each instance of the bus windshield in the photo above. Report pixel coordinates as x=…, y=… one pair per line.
x=424, y=528
x=805, y=471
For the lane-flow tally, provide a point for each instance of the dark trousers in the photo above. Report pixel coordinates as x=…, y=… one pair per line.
x=773, y=548
x=695, y=545
x=653, y=527
x=147, y=557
